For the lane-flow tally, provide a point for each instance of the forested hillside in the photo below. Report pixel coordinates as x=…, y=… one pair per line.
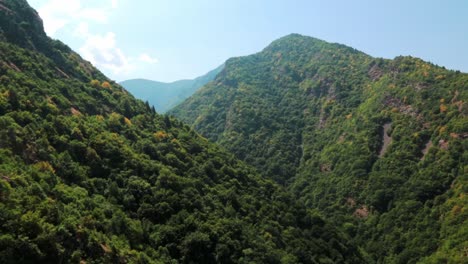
x=379, y=146
x=164, y=96
x=88, y=174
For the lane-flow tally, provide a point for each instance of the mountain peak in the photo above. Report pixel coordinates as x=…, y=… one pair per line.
x=296, y=41
x=297, y=36
x=363, y=140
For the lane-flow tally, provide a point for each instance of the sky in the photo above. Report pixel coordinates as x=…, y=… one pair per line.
x=168, y=40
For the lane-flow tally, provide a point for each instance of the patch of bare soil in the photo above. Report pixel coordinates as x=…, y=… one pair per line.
x=443, y=144
x=362, y=212
x=75, y=111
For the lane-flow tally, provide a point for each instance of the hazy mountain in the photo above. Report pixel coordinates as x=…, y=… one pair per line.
x=88, y=174
x=164, y=96
x=379, y=146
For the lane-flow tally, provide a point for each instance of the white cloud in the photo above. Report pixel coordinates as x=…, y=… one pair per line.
x=114, y=3
x=59, y=13
x=101, y=49
x=94, y=14
x=147, y=58
x=82, y=30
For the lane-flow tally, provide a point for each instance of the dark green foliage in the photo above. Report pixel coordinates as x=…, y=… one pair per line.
x=256, y=106
x=312, y=115
x=88, y=173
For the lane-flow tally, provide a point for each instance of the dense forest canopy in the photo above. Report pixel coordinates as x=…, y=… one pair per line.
x=89, y=174
x=306, y=152
x=379, y=146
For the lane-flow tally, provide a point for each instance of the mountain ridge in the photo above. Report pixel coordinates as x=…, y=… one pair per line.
x=165, y=95
x=268, y=75
x=89, y=174
x=313, y=115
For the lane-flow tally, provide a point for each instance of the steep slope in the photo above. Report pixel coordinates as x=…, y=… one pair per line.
x=88, y=174
x=378, y=145
x=258, y=104
x=164, y=96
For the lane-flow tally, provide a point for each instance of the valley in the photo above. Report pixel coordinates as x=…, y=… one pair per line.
x=305, y=152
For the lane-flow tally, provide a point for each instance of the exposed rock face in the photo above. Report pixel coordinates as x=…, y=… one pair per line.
x=375, y=72
x=426, y=149
x=386, y=139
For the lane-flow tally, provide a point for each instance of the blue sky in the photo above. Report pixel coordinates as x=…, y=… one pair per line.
x=167, y=40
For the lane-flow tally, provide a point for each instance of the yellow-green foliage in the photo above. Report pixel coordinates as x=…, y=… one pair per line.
x=103, y=187
x=311, y=115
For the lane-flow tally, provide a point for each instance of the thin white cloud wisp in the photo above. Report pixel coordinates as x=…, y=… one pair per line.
x=57, y=14
x=147, y=58
x=101, y=49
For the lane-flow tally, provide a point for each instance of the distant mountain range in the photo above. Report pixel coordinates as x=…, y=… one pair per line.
x=163, y=96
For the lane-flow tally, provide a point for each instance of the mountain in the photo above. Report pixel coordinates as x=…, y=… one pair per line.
x=377, y=145
x=164, y=96
x=89, y=174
